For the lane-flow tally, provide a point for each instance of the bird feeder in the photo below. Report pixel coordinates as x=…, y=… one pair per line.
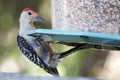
x=95, y=23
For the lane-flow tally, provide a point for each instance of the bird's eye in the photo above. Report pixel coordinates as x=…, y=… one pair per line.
x=29, y=13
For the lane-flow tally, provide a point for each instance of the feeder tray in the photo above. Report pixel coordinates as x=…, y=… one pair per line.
x=73, y=38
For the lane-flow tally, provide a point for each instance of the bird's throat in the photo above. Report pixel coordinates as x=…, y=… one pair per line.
x=25, y=27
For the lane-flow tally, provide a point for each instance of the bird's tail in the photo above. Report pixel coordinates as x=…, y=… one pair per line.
x=54, y=71
x=50, y=69
x=56, y=58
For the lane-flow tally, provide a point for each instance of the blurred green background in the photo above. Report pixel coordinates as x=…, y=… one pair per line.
x=82, y=63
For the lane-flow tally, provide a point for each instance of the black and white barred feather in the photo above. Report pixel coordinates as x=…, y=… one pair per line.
x=30, y=53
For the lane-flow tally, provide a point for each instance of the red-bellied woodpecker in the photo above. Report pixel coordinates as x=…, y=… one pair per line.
x=38, y=51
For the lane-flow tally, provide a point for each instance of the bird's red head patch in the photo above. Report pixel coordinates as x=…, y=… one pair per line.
x=29, y=9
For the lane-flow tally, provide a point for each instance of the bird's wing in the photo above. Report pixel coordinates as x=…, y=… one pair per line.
x=46, y=47
x=30, y=53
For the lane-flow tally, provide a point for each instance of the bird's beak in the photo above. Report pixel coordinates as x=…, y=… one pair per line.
x=37, y=18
